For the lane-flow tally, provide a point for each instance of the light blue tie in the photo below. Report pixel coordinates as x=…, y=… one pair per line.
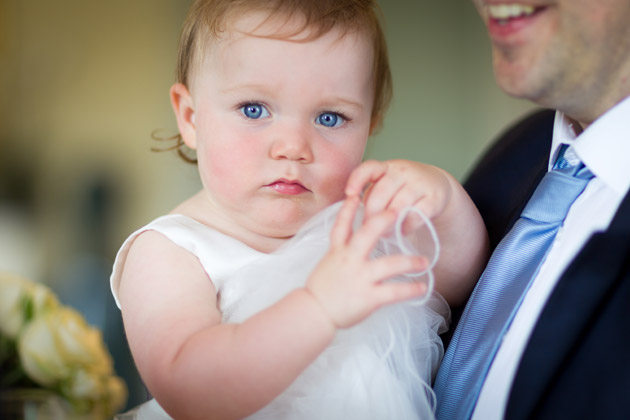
x=501, y=288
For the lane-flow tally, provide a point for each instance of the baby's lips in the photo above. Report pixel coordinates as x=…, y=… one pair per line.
x=288, y=187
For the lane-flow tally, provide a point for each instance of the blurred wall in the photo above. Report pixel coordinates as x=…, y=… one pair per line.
x=84, y=83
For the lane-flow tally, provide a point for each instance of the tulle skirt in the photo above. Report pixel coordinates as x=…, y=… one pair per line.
x=381, y=368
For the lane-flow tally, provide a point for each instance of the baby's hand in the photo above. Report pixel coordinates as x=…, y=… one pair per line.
x=396, y=184
x=347, y=283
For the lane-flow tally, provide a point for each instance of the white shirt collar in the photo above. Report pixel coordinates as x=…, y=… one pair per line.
x=604, y=147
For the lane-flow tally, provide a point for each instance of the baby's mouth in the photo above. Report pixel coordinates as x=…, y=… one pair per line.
x=288, y=187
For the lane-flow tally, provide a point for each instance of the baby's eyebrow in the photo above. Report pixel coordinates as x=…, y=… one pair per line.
x=263, y=89
x=247, y=86
x=347, y=102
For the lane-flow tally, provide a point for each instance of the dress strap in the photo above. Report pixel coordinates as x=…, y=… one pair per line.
x=219, y=254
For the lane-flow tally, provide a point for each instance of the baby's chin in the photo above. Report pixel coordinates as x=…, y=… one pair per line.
x=269, y=238
x=283, y=229
x=288, y=217
x=285, y=226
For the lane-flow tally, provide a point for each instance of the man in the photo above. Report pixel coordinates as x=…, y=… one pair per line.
x=563, y=349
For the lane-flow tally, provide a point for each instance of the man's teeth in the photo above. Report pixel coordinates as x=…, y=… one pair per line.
x=507, y=11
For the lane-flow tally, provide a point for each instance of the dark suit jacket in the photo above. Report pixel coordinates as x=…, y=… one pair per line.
x=577, y=362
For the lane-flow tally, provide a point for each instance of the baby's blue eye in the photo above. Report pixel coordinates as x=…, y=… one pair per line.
x=330, y=119
x=254, y=111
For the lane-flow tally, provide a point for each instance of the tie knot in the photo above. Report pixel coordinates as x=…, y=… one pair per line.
x=561, y=161
x=556, y=193
x=571, y=166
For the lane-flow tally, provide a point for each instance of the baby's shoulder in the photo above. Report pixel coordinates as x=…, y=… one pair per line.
x=152, y=255
x=163, y=248
x=150, y=243
x=172, y=240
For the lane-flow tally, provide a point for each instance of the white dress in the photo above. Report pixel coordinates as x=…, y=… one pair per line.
x=381, y=368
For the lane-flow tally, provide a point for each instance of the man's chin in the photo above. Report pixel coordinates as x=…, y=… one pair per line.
x=514, y=79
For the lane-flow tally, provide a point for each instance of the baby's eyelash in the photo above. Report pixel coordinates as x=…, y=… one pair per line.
x=252, y=102
x=242, y=104
x=332, y=119
x=341, y=114
x=253, y=110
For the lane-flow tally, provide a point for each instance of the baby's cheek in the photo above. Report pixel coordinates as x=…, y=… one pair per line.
x=223, y=175
x=335, y=183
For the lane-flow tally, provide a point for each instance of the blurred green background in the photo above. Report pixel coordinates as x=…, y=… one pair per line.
x=84, y=83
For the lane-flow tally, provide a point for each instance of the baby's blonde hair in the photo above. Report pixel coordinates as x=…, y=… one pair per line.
x=208, y=19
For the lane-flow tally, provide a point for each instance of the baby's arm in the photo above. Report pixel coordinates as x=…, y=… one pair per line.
x=198, y=367
x=463, y=238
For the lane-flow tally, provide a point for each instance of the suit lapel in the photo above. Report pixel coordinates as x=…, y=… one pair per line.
x=575, y=301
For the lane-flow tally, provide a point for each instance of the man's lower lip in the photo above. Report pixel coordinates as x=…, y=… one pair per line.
x=289, y=189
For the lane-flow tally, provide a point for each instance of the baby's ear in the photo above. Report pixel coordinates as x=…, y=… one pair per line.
x=375, y=124
x=183, y=106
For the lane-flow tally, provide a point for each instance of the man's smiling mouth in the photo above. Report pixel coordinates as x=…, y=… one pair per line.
x=505, y=12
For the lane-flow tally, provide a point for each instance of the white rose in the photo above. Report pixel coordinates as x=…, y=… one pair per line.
x=11, y=308
x=80, y=344
x=103, y=394
x=42, y=299
x=84, y=384
x=109, y=393
x=57, y=342
x=20, y=300
x=59, y=350
x=39, y=352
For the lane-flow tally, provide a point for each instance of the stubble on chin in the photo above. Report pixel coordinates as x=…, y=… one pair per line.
x=509, y=74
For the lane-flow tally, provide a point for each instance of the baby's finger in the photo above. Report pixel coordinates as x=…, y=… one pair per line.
x=385, y=268
x=342, y=229
x=366, y=237
x=406, y=197
x=400, y=194
x=381, y=195
x=368, y=172
x=393, y=292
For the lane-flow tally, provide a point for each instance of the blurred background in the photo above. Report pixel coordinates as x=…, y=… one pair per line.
x=84, y=83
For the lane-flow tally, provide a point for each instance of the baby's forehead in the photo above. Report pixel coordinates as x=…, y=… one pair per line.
x=261, y=24
x=281, y=26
